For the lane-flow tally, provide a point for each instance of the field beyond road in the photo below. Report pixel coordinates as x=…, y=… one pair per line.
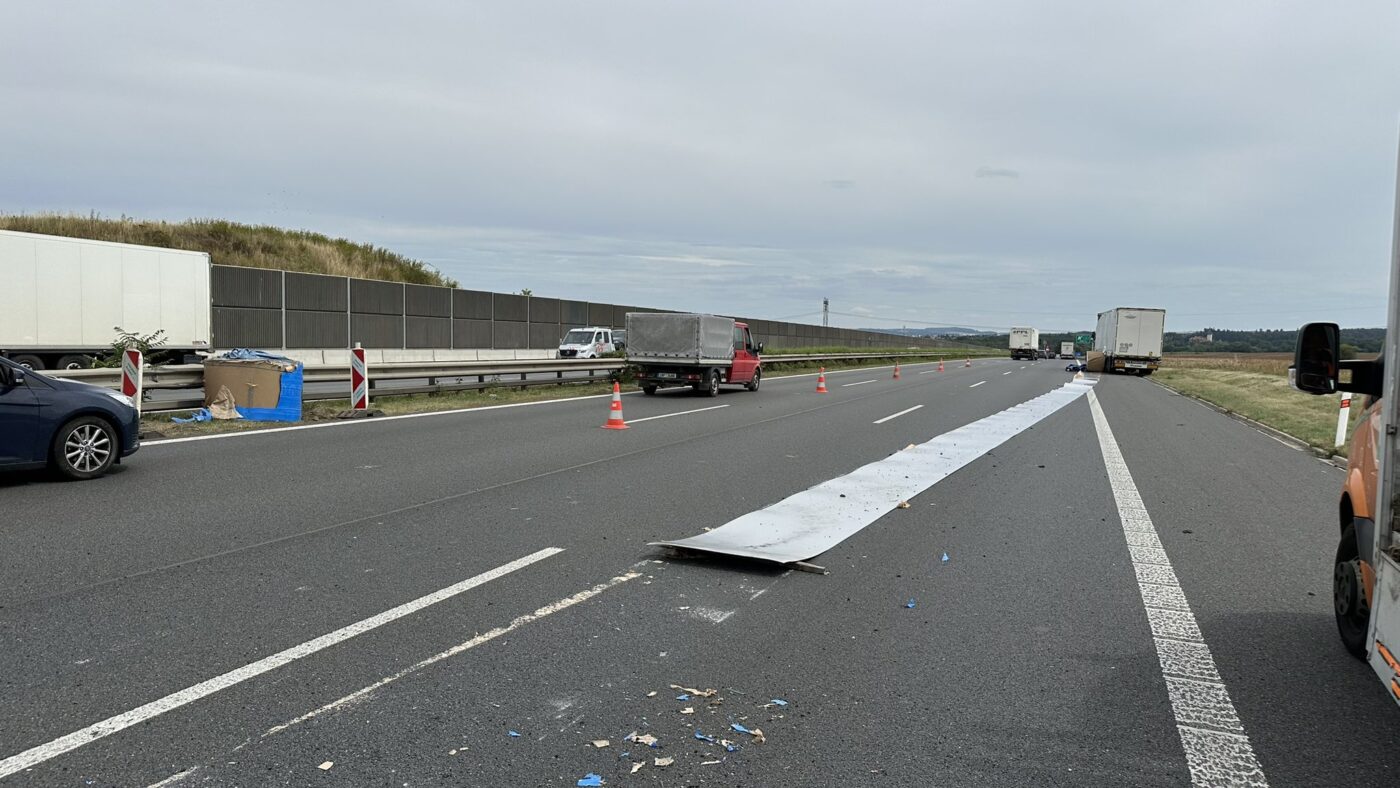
x=1255, y=385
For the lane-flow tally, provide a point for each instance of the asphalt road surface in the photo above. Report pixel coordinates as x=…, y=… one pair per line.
x=397, y=598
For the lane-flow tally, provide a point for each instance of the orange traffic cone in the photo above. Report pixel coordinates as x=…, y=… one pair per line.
x=615, y=421
x=968, y=364
x=940, y=365
x=896, y=370
x=821, y=381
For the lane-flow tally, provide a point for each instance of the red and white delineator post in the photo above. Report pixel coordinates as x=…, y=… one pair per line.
x=359, y=379
x=1343, y=418
x=133, y=367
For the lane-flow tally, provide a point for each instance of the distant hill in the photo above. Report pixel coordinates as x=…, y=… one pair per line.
x=231, y=243
x=950, y=331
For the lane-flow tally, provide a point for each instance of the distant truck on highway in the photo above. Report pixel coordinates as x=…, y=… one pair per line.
x=62, y=299
x=1066, y=350
x=1130, y=338
x=700, y=351
x=1025, y=343
x=1366, y=567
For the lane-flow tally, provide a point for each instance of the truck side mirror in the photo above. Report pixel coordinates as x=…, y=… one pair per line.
x=1315, y=359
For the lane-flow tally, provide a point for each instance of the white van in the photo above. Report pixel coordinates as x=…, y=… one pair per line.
x=586, y=343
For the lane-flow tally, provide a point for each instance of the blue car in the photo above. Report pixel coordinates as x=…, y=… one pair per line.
x=78, y=430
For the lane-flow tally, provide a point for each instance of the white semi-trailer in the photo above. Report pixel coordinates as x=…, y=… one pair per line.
x=62, y=300
x=1131, y=339
x=1025, y=343
x=1066, y=350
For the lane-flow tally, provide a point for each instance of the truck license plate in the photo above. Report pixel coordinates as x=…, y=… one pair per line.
x=670, y=375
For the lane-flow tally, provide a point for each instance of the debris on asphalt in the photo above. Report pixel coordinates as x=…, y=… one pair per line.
x=737, y=727
x=904, y=504
x=601, y=743
x=758, y=737
x=777, y=702
x=645, y=738
x=709, y=763
x=590, y=780
x=661, y=762
x=909, y=604
x=451, y=752
x=636, y=767
x=688, y=710
x=704, y=738
x=682, y=697
x=513, y=734
x=945, y=558
x=325, y=767
x=910, y=446
x=651, y=694
x=704, y=693
x=728, y=745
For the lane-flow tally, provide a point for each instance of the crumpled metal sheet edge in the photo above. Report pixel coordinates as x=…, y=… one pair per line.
x=808, y=523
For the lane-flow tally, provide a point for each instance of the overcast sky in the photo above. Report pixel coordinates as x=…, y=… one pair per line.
x=974, y=163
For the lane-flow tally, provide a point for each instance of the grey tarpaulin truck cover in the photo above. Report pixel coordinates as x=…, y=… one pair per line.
x=667, y=338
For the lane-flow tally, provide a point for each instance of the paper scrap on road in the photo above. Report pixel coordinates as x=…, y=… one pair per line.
x=636, y=767
x=688, y=710
x=325, y=767
x=807, y=524
x=661, y=762
x=601, y=743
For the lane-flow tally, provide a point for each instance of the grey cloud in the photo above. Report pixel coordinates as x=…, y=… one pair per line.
x=996, y=172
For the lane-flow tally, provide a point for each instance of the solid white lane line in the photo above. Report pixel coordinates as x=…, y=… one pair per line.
x=978, y=383
x=1008, y=372
x=861, y=383
x=174, y=778
x=36, y=755
x=681, y=413
x=485, y=637
x=896, y=415
x=1218, y=751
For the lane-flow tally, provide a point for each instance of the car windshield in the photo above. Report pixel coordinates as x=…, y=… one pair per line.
x=578, y=337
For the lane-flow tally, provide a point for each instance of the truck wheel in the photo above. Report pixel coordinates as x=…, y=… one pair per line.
x=74, y=362
x=649, y=390
x=757, y=378
x=1349, y=596
x=28, y=362
x=712, y=384
x=84, y=448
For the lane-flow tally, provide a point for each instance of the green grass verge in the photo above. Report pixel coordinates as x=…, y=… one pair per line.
x=1265, y=398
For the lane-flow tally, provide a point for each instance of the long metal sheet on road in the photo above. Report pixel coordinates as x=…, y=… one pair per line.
x=815, y=520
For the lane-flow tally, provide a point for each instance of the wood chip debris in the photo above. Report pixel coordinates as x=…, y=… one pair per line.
x=651, y=694
x=708, y=763
x=325, y=767
x=758, y=737
x=904, y=504
x=661, y=762
x=636, y=767
x=601, y=743
x=688, y=710
x=644, y=738
x=705, y=693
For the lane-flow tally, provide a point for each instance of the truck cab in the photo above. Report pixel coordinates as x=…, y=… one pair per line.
x=591, y=342
x=1366, y=566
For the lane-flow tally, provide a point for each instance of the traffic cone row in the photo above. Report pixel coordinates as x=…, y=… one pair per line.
x=821, y=381
x=615, y=421
x=896, y=370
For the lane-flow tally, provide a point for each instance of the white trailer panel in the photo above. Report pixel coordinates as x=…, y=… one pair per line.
x=1131, y=332
x=72, y=293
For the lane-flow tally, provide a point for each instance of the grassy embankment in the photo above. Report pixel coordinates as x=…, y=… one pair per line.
x=1255, y=385
x=231, y=243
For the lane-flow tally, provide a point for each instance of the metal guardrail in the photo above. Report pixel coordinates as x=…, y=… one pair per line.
x=439, y=376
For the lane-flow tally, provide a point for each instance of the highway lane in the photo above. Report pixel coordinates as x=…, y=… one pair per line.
x=1030, y=655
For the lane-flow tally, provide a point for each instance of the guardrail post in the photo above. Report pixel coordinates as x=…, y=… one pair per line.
x=133, y=369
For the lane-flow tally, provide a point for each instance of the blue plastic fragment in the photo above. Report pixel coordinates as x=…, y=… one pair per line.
x=682, y=697
x=945, y=558
x=778, y=702
x=514, y=735
x=736, y=726
x=202, y=414
x=590, y=779
x=731, y=748
x=703, y=737
x=624, y=755
x=910, y=603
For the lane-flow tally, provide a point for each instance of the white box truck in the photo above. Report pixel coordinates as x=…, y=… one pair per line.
x=62, y=299
x=1025, y=343
x=1066, y=350
x=1130, y=338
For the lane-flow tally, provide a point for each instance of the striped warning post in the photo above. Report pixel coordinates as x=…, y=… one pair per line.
x=359, y=379
x=133, y=363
